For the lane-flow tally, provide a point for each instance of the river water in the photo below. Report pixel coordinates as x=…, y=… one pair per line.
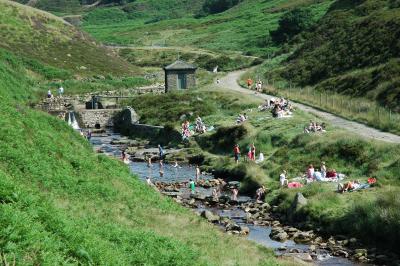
x=258, y=234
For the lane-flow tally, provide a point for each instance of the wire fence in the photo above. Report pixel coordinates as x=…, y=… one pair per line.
x=358, y=109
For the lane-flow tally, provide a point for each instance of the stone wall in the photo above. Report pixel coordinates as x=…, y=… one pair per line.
x=127, y=123
x=56, y=104
x=97, y=118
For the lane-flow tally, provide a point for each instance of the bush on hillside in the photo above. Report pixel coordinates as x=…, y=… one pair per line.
x=105, y=15
x=292, y=23
x=218, y=6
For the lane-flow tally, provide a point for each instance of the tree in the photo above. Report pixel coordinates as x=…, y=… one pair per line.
x=292, y=23
x=218, y=6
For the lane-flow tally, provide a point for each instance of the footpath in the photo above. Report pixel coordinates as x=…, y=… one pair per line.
x=230, y=82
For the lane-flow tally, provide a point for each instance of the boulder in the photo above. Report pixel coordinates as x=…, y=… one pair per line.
x=361, y=252
x=302, y=256
x=212, y=218
x=281, y=237
x=341, y=253
x=278, y=234
x=298, y=203
x=265, y=207
x=302, y=237
x=233, y=227
x=244, y=230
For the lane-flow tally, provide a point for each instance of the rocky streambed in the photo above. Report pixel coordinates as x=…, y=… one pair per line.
x=256, y=221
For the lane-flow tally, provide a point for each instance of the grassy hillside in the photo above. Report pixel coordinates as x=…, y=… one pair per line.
x=244, y=27
x=46, y=38
x=353, y=50
x=60, y=203
x=359, y=214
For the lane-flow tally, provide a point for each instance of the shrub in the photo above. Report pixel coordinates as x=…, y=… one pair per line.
x=292, y=23
x=218, y=6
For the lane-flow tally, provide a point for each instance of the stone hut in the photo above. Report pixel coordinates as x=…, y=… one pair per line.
x=180, y=75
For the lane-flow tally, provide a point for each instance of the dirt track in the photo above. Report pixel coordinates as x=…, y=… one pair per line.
x=230, y=82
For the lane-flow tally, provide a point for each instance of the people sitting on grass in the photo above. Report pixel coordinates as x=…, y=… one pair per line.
x=281, y=108
x=200, y=126
x=185, y=130
x=265, y=106
x=314, y=127
x=310, y=172
x=241, y=118
x=356, y=185
x=283, y=179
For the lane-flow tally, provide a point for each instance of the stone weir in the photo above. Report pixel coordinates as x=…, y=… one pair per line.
x=127, y=123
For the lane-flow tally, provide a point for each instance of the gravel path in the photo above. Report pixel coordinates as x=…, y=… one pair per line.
x=230, y=82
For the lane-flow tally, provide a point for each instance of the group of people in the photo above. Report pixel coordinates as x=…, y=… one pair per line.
x=258, y=87
x=323, y=175
x=186, y=131
x=355, y=185
x=281, y=108
x=251, y=154
x=60, y=93
x=314, y=127
x=241, y=118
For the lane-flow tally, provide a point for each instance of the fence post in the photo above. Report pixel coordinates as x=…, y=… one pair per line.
x=379, y=118
x=326, y=99
x=320, y=99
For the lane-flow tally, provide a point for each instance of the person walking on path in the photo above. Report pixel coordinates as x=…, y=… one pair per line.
x=236, y=152
x=49, y=94
x=249, y=83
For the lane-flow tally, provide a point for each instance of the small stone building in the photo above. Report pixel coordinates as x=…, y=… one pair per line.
x=180, y=75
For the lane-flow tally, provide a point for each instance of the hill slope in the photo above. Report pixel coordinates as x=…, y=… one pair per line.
x=60, y=203
x=355, y=49
x=244, y=27
x=49, y=39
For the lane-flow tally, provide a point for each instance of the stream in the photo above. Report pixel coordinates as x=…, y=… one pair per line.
x=257, y=233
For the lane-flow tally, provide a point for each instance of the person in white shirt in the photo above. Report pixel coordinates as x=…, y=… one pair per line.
x=61, y=91
x=282, y=179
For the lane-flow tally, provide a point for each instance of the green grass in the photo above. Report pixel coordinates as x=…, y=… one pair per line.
x=243, y=28
x=163, y=56
x=109, y=83
x=63, y=204
x=352, y=50
x=356, y=108
x=286, y=147
x=48, y=39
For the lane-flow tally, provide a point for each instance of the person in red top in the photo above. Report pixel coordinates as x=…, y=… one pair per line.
x=249, y=83
x=236, y=152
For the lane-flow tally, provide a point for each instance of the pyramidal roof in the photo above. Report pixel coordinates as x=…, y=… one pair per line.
x=180, y=65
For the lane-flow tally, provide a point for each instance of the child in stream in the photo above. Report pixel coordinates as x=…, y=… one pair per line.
x=235, y=193
x=197, y=173
x=192, y=186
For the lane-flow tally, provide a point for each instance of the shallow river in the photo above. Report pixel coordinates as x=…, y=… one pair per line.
x=258, y=234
